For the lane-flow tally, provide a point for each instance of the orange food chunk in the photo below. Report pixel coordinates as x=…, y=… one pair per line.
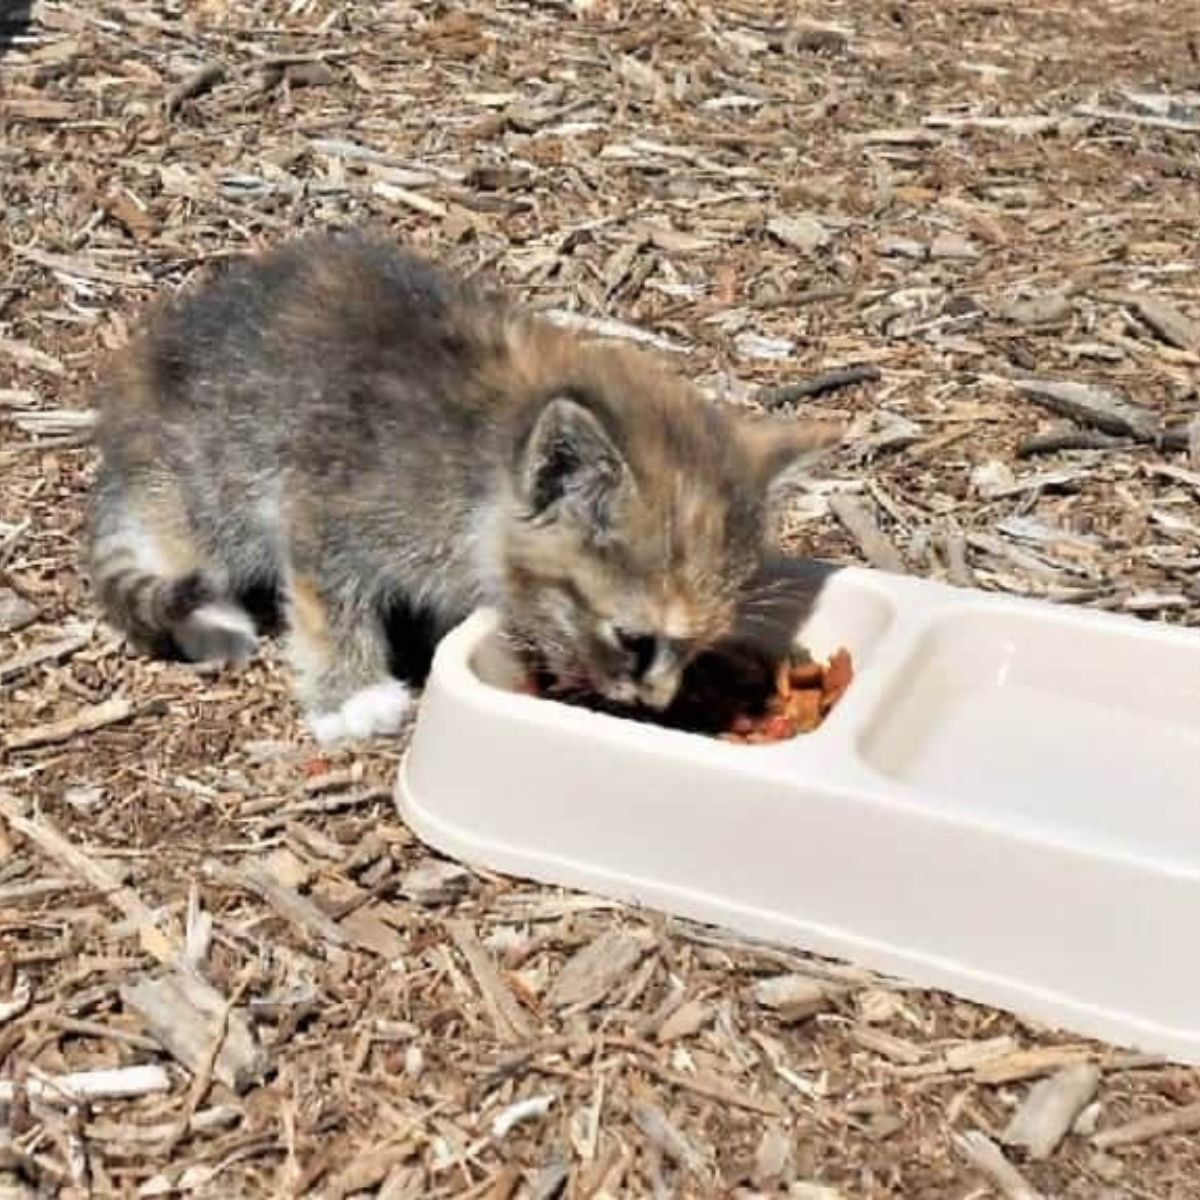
x=783, y=680
x=807, y=674
x=779, y=727
x=804, y=710
x=838, y=677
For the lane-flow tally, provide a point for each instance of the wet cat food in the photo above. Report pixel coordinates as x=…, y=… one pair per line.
x=736, y=697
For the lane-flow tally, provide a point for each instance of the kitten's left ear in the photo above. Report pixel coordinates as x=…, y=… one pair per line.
x=779, y=445
x=569, y=466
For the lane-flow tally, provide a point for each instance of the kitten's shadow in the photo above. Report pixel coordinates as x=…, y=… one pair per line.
x=412, y=634
x=15, y=16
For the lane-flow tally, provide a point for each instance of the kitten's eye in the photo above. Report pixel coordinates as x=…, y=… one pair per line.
x=641, y=647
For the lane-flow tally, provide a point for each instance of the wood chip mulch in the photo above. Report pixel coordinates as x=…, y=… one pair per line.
x=226, y=968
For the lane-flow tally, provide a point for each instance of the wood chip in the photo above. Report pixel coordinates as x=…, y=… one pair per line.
x=367, y=930
x=773, y=1157
x=987, y=1158
x=794, y=997
x=716, y=1088
x=186, y=1015
x=1022, y=126
x=859, y=522
x=531, y=1108
x=1049, y=1110
x=507, y=1017
x=60, y=422
x=1120, y=117
x=1060, y=440
x=597, y=968
x=1146, y=1129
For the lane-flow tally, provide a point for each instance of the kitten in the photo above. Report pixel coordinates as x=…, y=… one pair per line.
x=351, y=425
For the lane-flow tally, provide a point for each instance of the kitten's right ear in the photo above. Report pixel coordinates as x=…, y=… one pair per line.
x=568, y=463
x=779, y=446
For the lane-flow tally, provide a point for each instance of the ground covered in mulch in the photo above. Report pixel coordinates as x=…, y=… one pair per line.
x=950, y=196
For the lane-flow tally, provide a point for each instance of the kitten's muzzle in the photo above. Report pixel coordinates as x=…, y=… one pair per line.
x=656, y=667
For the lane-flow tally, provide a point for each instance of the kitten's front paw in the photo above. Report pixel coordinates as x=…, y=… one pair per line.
x=378, y=709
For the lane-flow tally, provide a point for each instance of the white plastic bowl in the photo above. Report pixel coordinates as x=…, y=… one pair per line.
x=1004, y=805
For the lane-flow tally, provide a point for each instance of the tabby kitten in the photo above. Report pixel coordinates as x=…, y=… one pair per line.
x=345, y=423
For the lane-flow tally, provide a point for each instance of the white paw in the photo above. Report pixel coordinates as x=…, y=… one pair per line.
x=217, y=633
x=378, y=709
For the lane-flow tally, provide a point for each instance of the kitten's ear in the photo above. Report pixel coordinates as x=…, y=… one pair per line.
x=779, y=446
x=568, y=461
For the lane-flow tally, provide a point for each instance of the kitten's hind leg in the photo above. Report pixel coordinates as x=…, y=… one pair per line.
x=151, y=580
x=339, y=651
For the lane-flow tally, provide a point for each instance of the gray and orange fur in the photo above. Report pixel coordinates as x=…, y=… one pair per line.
x=345, y=423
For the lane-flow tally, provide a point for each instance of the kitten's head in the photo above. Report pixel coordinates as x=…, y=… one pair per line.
x=636, y=520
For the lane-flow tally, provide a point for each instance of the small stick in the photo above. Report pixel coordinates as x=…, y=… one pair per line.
x=987, y=1158
x=1093, y=406
x=113, y=1083
x=86, y=720
x=1144, y=1129
x=1070, y=439
x=818, y=385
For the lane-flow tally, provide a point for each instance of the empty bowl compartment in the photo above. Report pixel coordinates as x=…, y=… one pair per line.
x=1090, y=727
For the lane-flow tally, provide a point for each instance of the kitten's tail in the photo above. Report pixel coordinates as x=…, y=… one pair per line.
x=161, y=614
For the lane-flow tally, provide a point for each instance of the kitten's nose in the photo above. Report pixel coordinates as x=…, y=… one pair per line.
x=642, y=648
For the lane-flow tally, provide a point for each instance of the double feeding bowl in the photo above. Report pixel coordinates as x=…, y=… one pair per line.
x=1004, y=805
